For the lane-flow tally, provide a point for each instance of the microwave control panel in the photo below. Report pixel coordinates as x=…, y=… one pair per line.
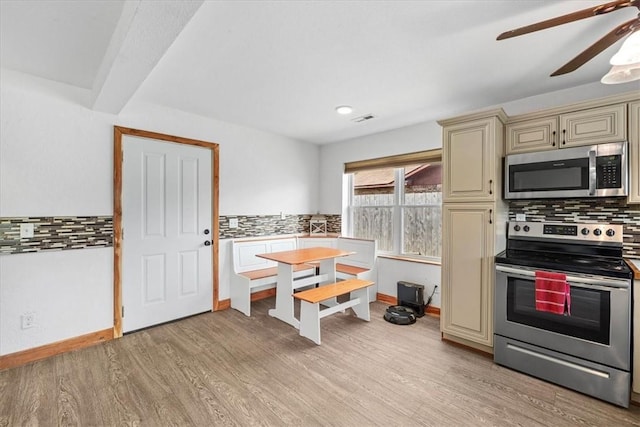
x=609, y=171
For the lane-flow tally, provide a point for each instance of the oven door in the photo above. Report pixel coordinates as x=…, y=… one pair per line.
x=598, y=328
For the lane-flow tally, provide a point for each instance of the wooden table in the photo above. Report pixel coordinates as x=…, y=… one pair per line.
x=286, y=284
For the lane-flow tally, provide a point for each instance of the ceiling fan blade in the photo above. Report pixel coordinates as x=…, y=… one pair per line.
x=593, y=50
x=575, y=16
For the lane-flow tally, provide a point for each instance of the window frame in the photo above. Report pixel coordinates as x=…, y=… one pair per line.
x=431, y=156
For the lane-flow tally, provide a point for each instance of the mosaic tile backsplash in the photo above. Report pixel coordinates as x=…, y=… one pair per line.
x=611, y=211
x=63, y=233
x=269, y=225
x=56, y=233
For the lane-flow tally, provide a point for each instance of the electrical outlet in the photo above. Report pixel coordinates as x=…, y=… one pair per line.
x=233, y=222
x=28, y=320
x=26, y=231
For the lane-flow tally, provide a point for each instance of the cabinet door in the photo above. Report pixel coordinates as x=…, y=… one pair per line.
x=594, y=126
x=532, y=135
x=469, y=161
x=467, y=272
x=634, y=154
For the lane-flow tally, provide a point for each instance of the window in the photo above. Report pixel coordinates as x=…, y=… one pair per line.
x=398, y=203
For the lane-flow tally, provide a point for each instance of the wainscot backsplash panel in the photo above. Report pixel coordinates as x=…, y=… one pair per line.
x=269, y=225
x=610, y=211
x=55, y=233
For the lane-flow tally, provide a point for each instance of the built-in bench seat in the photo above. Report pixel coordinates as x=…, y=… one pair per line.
x=361, y=264
x=351, y=270
x=252, y=272
x=311, y=299
x=272, y=271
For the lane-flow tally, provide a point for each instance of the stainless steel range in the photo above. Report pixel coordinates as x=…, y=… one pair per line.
x=563, y=307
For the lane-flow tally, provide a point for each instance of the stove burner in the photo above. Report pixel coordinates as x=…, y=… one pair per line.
x=541, y=250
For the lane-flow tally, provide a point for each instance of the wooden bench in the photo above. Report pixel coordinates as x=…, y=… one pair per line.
x=310, y=301
x=360, y=265
x=251, y=272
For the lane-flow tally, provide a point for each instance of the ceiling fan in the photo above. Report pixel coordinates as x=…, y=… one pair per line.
x=593, y=50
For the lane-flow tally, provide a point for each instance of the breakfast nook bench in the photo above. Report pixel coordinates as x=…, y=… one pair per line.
x=311, y=299
x=360, y=264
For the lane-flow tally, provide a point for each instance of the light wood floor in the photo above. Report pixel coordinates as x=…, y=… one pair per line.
x=227, y=369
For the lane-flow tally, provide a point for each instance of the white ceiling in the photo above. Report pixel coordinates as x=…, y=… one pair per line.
x=283, y=66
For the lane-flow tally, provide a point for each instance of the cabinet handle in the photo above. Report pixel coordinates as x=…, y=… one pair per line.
x=490, y=216
x=553, y=139
x=490, y=186
x=564, y=137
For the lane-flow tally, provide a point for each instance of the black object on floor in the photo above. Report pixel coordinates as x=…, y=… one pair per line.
x=400, y=315
x=411, y=295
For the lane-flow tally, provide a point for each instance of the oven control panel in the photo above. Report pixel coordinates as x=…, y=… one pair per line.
x=566, y=231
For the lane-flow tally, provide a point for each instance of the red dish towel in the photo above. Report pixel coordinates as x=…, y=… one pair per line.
x=552, y=292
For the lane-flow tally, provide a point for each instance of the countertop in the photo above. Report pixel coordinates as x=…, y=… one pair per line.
x=635, y=266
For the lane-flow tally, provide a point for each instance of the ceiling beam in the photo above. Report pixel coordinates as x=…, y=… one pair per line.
x=144, y=33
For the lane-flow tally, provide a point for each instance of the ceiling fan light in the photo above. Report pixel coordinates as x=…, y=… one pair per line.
x=629, y=52
x=622, y=74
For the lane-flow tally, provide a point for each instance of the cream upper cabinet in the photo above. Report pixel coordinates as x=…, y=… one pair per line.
x=467, y=271
x=583, y=127
x=634, y=154
x=594, y=126
x=532, y=135
x=471, y=155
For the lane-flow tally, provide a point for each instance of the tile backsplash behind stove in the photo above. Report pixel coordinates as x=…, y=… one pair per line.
x=610, y=211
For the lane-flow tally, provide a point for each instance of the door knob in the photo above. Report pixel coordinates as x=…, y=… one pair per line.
x=207, y=243
x=206, y=231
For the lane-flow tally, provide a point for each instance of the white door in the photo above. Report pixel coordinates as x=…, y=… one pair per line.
x=166, y=220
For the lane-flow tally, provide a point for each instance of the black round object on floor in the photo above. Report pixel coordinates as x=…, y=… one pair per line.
x=400, y=315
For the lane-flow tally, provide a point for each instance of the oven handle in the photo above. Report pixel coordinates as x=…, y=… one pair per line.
x=601, y=282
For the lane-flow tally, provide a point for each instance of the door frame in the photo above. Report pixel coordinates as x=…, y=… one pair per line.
x=118, y=132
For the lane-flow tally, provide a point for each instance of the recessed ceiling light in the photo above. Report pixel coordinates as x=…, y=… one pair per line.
x=344, y=109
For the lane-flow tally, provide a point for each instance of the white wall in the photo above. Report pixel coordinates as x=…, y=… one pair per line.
x=391, y=271
x=260, y=173
x=70, y=293
x=54, y=155
x=56, y=159
x=420, y=137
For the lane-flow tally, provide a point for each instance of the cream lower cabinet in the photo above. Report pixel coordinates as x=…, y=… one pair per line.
x=468, y=271
x=634, y=155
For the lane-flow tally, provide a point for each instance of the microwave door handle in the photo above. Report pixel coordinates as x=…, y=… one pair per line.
x=592, y=173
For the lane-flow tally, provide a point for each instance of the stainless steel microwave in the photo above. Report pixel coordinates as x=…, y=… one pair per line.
x=599, y=170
